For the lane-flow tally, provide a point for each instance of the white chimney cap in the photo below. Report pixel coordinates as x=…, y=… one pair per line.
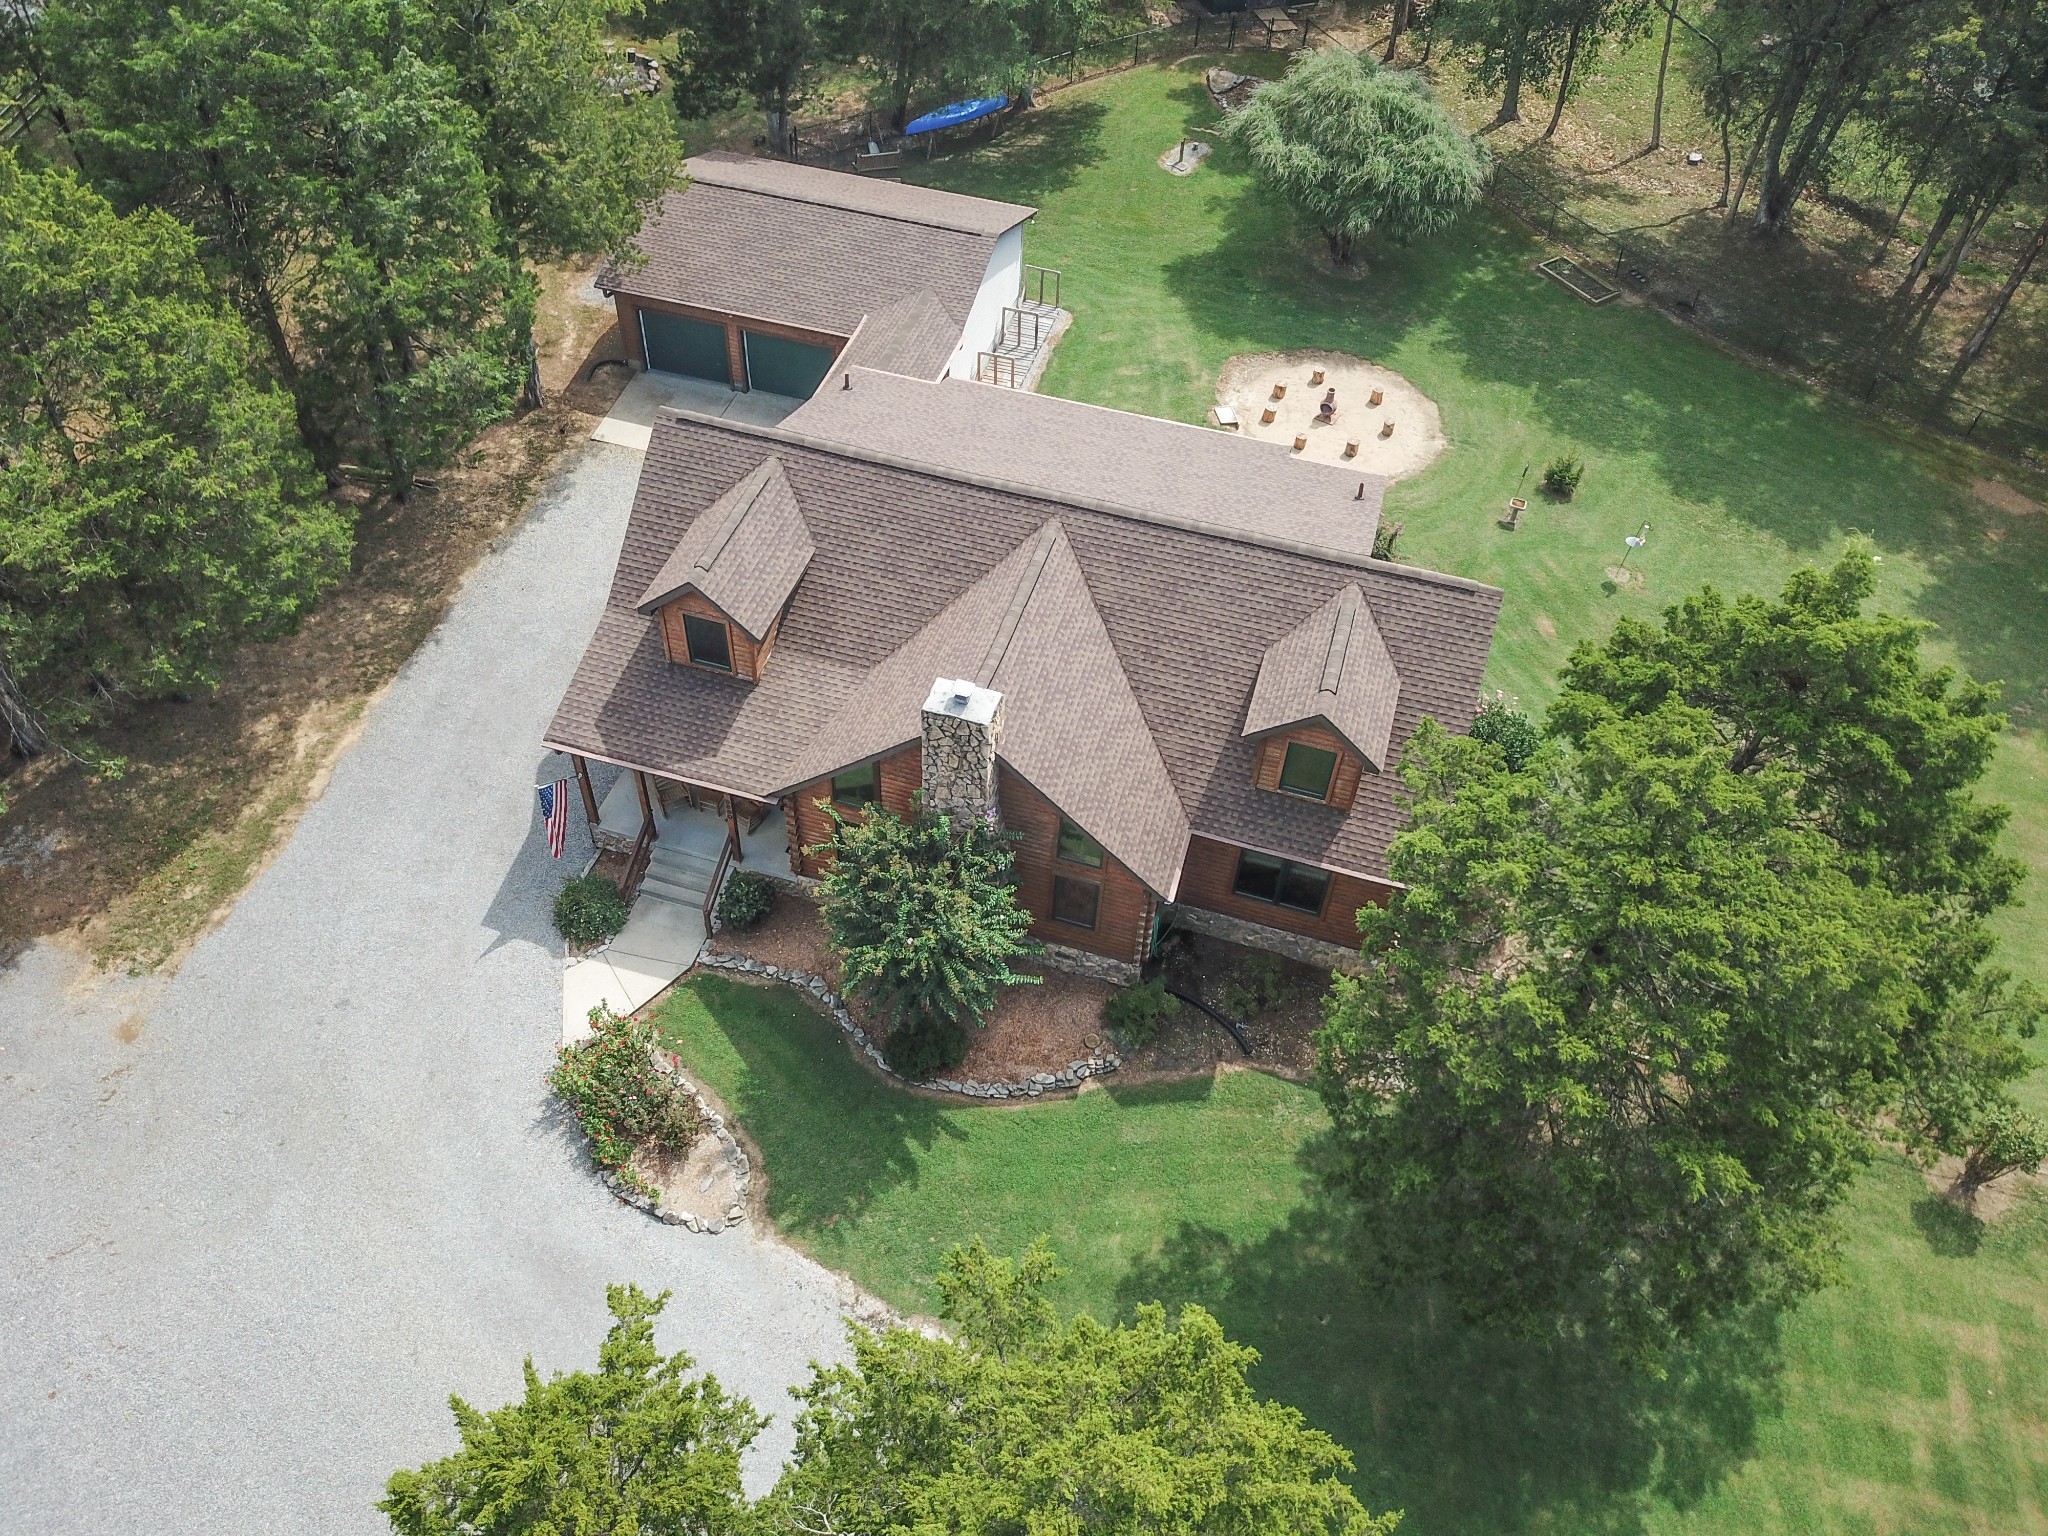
x=963, y=699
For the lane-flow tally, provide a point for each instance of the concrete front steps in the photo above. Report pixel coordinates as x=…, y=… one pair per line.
x=660, y=941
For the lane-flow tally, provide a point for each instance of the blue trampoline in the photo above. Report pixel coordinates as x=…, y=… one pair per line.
x=953, y=114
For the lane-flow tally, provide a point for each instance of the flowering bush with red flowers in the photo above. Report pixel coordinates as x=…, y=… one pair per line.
x=619, y=1096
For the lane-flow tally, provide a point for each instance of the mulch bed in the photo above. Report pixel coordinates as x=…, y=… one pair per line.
x=1034, y=1029
x=1041, y=1028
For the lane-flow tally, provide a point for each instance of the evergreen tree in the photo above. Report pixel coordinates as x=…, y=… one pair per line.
x=156, y=508
x=923, y=915
x=638, y=1445
x=1359, y=149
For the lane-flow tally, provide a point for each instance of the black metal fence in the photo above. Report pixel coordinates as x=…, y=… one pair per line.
x=1239, y=32
x=1878, y=381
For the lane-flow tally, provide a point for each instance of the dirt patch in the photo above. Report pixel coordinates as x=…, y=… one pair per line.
x=210, y=787
x=1993, y=1200
x=1247, y=383
x=1039, y=1028
x=701, y=1182
x=1996, y=493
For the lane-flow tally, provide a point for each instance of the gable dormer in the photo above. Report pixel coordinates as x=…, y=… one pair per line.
x=1322, y=709
x=720, y=596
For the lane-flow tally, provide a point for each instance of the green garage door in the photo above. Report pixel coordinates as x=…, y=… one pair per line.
x=676, y=344
x=784, y=367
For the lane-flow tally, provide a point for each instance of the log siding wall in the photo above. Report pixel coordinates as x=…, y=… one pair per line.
x=748, y=657
x=901, y=777
x=1211, y=868
x=1123, y=916
x=1272, y=756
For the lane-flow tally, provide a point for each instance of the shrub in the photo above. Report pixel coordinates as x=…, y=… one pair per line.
x=590, y=909
x=1255, y=985
x=1137, y=1012
x=618, y=1097
x=924, y=919
x=1383, y=538
x=923, y=1047
x=748, y=897
x=1561, y=476
x=1506, y=727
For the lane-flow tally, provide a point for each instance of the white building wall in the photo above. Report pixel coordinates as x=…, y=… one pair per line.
x=1000, y=286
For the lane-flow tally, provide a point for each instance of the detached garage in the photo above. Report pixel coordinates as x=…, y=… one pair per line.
x=761, y=275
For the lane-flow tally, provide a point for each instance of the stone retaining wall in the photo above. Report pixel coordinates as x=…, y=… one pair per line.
x=1080, y=962
x=1072, y=1075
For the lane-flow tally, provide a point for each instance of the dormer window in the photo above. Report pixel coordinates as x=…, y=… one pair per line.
x=1307, y=771
x=710, y=642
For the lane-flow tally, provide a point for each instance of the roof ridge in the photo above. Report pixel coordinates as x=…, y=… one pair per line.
x=764, y=472
x=1341, y=628
x=819, y=198
x=1049, y=537
x=1192, y=525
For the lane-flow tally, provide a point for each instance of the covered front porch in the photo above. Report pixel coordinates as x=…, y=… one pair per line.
x=682, y=843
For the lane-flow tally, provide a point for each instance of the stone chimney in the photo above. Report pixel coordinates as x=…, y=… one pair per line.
x=960, y=726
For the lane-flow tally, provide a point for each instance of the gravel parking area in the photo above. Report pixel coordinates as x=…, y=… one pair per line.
x=259, y=1219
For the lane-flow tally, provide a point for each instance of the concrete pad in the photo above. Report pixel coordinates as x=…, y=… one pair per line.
x=631, y=422
x=640, y=980
x=585, y=984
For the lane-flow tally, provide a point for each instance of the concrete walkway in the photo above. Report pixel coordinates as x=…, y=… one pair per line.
x=662, y=938
x=631, y=422
x=259, y=1219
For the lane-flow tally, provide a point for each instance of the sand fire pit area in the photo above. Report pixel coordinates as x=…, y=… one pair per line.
x=1358, y=436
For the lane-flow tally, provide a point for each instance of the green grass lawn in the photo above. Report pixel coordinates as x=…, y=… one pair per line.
x=1911, y=1398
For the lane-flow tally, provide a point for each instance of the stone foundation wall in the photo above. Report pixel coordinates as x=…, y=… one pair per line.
x=1235, y=930
x=1079, y=962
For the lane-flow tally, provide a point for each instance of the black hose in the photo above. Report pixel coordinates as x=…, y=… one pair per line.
x=1235, y=1029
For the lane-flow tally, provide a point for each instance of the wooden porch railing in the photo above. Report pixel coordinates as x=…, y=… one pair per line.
x=636, y=866
x=726, y=850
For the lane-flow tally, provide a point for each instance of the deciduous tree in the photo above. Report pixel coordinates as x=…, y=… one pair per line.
x=1643, y=1008
x=156, y=508
x=1025, y=1422
x=1359, y=149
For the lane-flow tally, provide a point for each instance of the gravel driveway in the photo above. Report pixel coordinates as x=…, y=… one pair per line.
x=258, y=1220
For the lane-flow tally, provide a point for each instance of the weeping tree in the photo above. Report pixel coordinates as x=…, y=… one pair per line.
x=1358, y=150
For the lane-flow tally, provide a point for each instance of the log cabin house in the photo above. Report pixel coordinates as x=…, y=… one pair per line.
x=1162, y=656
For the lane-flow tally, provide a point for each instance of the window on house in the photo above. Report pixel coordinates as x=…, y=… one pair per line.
x=1282, y=882
x=1077, y=847
x=709, y=641
x=857, y=786
x=1307, y=771
x=1075, y=901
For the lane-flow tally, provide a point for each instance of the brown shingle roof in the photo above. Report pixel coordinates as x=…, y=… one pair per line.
x=857, y=194
x=1064, y=449
x=809, y=248
x=1188, y=612
x=746, y=553
x=914, y=336
x=1071, y=724
x=1333, y=667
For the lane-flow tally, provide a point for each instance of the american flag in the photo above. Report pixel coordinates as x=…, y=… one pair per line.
x=554, y=810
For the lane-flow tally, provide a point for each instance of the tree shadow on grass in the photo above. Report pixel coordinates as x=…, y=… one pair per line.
x=832, y=1135
x=1950, y=1230
x=1470, y=1431
x=1042, y=154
